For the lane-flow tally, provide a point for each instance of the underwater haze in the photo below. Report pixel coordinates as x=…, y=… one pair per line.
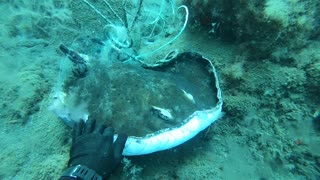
x=267, y=54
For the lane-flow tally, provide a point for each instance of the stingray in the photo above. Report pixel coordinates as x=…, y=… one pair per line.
x=159, y=105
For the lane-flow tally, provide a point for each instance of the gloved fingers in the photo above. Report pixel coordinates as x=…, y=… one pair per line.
x=77, y=129
x=90, y=124
x=118, y=146
x=100, y=128
x=108, y=138
x=108, y=132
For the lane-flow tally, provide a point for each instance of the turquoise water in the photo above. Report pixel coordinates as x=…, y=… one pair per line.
x=266, y=53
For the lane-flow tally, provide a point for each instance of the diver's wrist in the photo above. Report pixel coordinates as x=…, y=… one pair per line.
x=80, y=172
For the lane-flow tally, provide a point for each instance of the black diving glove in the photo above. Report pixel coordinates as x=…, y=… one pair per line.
x=93, y=147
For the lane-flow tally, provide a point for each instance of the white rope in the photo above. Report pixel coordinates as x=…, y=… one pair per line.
x=97, y=11
x=106, y=2
x=173, y=39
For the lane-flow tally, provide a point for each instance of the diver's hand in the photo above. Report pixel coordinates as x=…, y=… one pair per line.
x=93, y=147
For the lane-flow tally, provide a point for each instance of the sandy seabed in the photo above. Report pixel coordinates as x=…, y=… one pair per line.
x=270, y=129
